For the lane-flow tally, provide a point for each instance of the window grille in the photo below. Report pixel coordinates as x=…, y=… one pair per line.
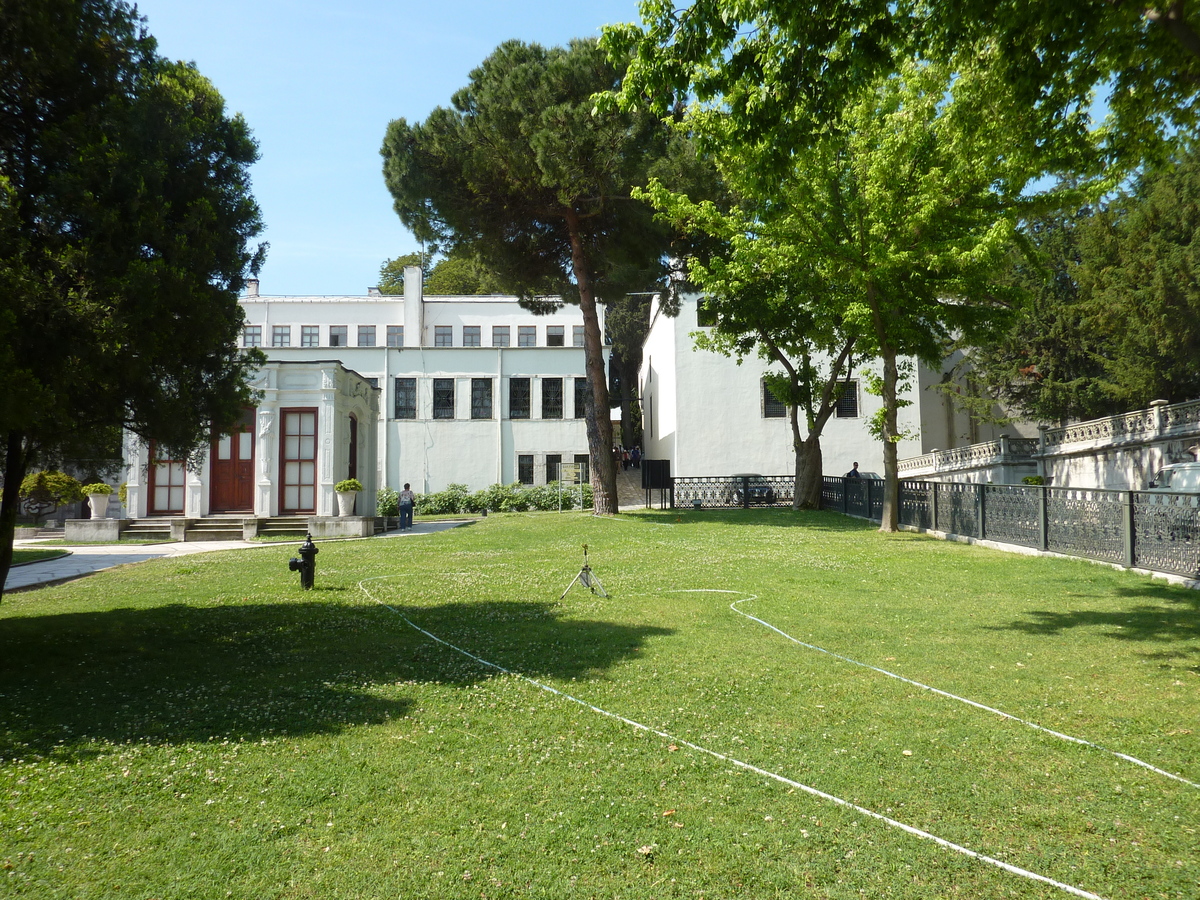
x=553, y=465
x=443, y=398
x=552, y=398
x=481, y=398
x=525, y=468
x=406, y=398
x=581, y=395
x=773, y=407
x=518, y=398
x=847, y=403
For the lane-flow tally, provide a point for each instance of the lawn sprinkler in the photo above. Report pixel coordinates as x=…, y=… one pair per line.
x=587, y=578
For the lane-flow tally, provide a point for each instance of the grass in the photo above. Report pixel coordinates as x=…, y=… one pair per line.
x=200, y=727
x=24, y=555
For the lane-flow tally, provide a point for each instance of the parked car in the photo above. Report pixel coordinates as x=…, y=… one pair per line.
x=1177, y=478
x=758, y=489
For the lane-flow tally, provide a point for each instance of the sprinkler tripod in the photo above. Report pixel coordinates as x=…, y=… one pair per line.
x=587, y=578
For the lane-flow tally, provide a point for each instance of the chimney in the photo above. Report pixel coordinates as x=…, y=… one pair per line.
x=373, y=292
x=414, y=307
x=251, y=287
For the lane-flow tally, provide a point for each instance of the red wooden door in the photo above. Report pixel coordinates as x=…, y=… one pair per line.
x=232, y=474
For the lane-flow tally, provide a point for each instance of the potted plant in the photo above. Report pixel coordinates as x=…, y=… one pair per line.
x=98, y=495
x=347, y=490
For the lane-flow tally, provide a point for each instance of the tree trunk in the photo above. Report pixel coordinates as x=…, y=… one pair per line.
x=809, y=473
x=599, y=422
x=15, y=461
x=890, y=520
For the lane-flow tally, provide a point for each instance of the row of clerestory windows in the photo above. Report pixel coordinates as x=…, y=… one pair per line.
x=443, y=398
x=443, y=336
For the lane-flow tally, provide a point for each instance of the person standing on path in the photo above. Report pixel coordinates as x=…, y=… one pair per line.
x=853, y=473
x=407, y=499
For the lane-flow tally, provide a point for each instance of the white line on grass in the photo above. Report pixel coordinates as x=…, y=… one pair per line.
x=933, y=690
x=733, y=761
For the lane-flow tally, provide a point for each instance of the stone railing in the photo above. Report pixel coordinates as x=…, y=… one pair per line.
x=1160, y=420
x=974, y=456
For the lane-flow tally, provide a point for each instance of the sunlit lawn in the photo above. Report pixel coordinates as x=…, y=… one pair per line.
x=201, y=727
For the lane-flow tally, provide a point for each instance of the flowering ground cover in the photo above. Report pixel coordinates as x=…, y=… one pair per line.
x=432, y=721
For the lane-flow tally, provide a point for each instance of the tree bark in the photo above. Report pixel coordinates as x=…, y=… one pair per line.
x=599, y=423
x=890, y=520
x=809, y=473
x=15, y=462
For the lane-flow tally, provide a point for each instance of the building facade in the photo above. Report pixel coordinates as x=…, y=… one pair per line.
x=391, y=389
x=711, y=416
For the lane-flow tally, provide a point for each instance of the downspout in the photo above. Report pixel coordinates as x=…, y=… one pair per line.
x=499, y=406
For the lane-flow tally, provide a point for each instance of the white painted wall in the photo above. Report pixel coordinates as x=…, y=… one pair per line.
x=705, y=411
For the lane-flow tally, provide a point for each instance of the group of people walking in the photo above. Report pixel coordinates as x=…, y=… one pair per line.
x=628, y=457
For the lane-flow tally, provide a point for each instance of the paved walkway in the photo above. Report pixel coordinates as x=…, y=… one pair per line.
x=629, y=489
x=84, y=560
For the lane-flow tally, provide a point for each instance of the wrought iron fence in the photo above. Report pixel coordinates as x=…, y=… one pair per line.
x=1143, y=529
x=733, y=491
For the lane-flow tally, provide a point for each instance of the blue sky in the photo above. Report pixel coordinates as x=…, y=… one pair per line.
x=318, y=83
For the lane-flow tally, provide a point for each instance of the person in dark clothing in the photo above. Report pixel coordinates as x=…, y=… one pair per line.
x=853, y=473
x=407, y=498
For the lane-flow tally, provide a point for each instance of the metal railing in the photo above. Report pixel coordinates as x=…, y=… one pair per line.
x=733, y=491
x=1150, y=530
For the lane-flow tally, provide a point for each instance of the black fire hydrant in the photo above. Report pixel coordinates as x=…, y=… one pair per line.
x=306, y=565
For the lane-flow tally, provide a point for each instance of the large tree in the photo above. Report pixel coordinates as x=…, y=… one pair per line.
x=125, y=218
x=524, y=174
x=777, y=64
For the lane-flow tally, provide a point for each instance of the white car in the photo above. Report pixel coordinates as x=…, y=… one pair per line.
x=1177, y=478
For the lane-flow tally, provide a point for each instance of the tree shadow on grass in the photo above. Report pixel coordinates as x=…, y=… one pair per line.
x=1161, y=614
x=774, y=516
x=180, y=674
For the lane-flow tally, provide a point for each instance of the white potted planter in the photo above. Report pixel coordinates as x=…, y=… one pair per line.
x=98, y=495
x=346, y=492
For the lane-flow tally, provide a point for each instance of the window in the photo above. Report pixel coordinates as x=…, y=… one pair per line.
x=526, y=335
x=395, y=335
x=252, y=336
x=443, y=398
x=553, y=462
x=337, y=336
x=366, y=335
x=443, y=335
x=552, y=398
x=525, y=468
x=481, y=398
x=772, y=407
x=406, y=398
x=847, y=404
x=582, y=460
x=581, y=395
x=281, y=335
x=518, y=398
x=499, y=335
x=576, y=335
x=706, y=314
x=299, y=457
x=373, y=382
x=554, y=336
x=310, y=336
x=471, y=337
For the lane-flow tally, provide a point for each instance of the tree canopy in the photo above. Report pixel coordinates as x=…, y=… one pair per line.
x=775, y=66
x=525, y=175
x=125, y=222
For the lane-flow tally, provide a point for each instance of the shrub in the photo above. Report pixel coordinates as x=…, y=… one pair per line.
x=387, y=502
x=456, y=498
x=448, y=502
x=348, y=484
x=1033, y=479
x=98, y=488
x=56, y=487
x=123, y=493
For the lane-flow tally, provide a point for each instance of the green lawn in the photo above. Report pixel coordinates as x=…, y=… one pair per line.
x=26, y=555
x=201, y=727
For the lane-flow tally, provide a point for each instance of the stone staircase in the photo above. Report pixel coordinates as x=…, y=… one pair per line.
x=297, y=525
x=147, y=530
x=215, y=528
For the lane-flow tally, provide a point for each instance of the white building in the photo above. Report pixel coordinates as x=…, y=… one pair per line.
x=711, y=416
x=387, y=389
